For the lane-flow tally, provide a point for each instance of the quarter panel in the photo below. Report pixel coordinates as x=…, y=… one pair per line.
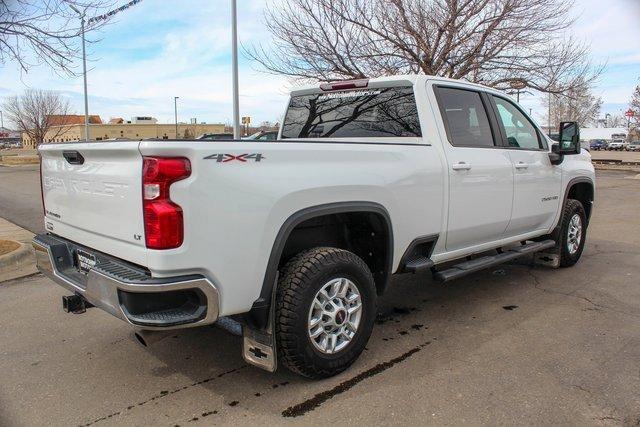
x=233, y=210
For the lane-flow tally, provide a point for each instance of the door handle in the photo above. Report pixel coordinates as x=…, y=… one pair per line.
x=73, y=157
x=461, y=166
x=521, y=165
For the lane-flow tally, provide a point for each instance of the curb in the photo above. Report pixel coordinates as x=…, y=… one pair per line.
x=616, y=167
x=18, y=263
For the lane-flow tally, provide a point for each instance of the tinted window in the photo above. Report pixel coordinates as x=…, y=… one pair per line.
x=267, y=136
x=384, y=112
x=519, y=130
x=466, y=118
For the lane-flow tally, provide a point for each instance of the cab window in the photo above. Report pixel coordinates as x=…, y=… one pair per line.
x=518, y=130
x=465, y=117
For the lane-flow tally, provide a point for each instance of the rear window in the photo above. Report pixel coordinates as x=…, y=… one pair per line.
x=382, y=112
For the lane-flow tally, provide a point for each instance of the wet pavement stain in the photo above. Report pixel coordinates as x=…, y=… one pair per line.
x=392, y=314
x=317, y=400
x=164, y=393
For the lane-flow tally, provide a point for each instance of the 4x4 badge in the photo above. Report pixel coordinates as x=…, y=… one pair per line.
x=224, y=158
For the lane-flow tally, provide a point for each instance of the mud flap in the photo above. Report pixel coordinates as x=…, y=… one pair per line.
x=548, y=258
x=259, y=349
x=259, y=346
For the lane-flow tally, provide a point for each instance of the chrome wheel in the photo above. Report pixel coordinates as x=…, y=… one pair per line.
x=335, y=315
x=574, y=234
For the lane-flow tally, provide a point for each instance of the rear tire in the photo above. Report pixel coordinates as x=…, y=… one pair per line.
x=325, y=310
x=573, y=232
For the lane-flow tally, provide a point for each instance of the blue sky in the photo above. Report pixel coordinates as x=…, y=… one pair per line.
x=158, y=49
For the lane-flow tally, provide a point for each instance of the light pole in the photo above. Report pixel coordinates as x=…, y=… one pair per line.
x=549, y=121
x=175, y=112
x=84, y=73
x=234, y=60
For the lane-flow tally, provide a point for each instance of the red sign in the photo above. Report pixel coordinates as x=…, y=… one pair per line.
x=629, y=113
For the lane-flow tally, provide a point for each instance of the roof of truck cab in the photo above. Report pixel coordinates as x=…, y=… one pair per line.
x=404, y=79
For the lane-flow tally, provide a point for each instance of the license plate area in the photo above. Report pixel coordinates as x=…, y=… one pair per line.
x=84, y=261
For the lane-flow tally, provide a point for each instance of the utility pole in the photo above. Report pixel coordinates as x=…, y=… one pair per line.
x=84, y=73
x=234, y=60
x=175, y=111
x=549, y=121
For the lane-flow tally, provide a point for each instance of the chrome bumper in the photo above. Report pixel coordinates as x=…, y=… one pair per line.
x=105, y=284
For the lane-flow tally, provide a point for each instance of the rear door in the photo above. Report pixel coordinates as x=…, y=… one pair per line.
x=537, y=182
x=480, y=170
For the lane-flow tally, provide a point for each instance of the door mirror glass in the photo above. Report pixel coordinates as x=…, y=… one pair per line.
x=569, y=138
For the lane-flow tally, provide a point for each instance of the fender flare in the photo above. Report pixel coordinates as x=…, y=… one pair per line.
x=259, y=314
x=573, y=182
x=555, y=232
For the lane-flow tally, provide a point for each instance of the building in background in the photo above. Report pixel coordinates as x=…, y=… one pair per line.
x=145, y=127
x=9, y=138
x=72, y=119
x=144, y=120
x=587, y=134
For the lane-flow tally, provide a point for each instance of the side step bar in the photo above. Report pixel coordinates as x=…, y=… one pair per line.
x=419, y=265
x=474, y=265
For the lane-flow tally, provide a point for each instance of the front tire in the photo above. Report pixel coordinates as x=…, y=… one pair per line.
x=325, y=310
x=573, y=233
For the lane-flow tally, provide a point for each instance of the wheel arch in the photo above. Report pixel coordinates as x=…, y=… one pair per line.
x=259, y=313
x=583, y=190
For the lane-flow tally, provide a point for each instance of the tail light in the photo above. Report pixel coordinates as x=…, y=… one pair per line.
x=163, y=223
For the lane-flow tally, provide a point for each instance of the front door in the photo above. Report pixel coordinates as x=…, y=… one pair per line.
x=480, y=172
x=537, y=182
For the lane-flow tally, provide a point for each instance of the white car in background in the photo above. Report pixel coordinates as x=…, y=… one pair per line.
x=616, y=145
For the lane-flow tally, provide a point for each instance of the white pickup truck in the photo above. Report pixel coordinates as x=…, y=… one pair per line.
x=295, y=239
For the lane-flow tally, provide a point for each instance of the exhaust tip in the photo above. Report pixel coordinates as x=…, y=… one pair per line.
x=146, y=338
x=140, y=339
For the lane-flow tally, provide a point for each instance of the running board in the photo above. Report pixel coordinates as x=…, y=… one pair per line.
x=418, y=265
x=477, y=264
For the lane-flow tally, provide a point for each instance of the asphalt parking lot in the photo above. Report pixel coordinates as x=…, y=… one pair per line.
x=518, y=344
x=20, y=200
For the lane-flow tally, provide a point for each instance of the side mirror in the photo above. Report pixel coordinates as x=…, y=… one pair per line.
x=569, y=140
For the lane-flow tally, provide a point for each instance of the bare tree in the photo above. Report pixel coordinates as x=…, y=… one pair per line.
x=37, y=114
x=576, y=104
x=33, y=32
x=634, y=106
x=493, y=42
x=616, y=121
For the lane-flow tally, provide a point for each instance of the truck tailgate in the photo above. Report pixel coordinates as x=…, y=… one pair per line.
x=92, y=195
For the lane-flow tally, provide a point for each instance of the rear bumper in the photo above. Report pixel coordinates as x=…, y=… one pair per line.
x=127, y=291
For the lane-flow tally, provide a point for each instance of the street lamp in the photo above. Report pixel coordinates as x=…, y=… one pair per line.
x=234, y=60
x=175, y=111
x=518, y=85
x=84, y=73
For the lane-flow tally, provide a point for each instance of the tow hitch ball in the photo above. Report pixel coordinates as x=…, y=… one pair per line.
x=75, y=304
